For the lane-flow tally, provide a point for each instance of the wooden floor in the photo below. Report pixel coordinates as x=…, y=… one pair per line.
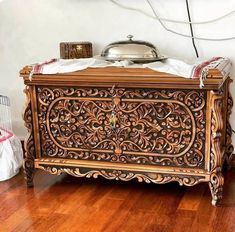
x=65, y=203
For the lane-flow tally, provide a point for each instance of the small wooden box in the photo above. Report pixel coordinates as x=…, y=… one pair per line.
x=74, y=50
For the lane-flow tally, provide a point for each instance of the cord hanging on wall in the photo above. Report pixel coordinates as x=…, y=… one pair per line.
x=191, y=28
x=173, y=20
x=160, y=20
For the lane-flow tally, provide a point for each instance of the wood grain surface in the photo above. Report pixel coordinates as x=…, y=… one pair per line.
x=66, y=203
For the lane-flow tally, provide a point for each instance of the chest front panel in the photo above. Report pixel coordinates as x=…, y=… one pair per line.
x=123, y=125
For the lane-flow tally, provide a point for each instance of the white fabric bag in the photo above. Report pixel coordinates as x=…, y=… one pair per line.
x=11, y=157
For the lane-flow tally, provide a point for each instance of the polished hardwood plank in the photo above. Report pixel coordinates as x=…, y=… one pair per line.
x=66, y=203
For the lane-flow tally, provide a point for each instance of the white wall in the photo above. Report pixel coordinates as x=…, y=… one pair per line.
x=31, y=30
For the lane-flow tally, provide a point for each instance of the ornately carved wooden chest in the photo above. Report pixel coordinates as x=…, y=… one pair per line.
x=127, y=123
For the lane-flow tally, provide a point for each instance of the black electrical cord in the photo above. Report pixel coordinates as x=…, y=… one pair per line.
x=233, y=131
x=191, y=29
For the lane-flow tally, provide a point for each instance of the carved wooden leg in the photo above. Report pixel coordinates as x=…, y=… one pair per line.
x=29, y=160
x=29, y=143
x=216, y=186
x=29, y=172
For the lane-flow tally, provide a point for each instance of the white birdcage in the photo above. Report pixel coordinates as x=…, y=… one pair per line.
x=5, y=117
x=11, y=154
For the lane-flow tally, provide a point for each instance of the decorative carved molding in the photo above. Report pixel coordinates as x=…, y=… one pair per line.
x=163, y=127
x=157, y=178
x=26, y=70
x=72, y=163
x=217, y=151
x=29, y=141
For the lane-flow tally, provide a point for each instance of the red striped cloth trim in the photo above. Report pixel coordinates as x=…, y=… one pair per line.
x=5, y=137
x=199, y=69
x=38, y=67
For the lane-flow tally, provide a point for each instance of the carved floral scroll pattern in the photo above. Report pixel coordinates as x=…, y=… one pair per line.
x=157, y=178
x=168, y=126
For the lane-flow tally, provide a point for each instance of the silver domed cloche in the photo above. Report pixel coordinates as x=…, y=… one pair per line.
x=134, y=50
